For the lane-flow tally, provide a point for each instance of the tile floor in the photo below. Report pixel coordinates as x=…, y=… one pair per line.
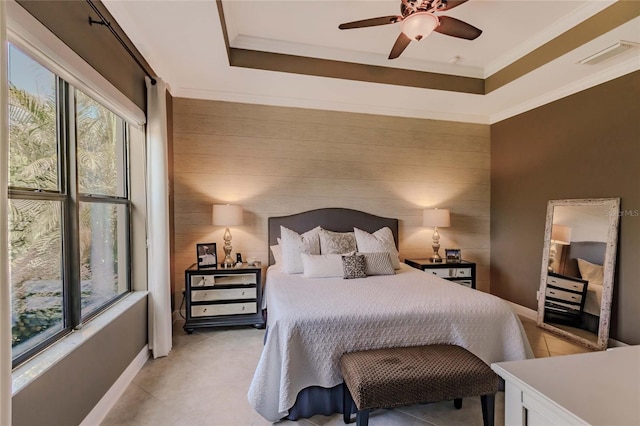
x=204, y=382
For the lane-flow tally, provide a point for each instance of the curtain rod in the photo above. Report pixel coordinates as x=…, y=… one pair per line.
x=103, y=21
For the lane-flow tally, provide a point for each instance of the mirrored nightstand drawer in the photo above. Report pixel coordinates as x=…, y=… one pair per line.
x=226, y=309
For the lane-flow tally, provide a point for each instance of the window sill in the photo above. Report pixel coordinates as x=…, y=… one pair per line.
x=33, y=368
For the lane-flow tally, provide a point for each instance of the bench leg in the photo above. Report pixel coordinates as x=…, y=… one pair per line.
x=457, y=403
x=362, y=418
x=347, y=404
x=488, y=409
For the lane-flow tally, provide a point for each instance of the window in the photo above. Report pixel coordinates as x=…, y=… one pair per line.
x=69, y=205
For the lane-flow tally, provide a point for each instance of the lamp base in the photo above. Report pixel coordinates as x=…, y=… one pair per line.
x=227, y=262
x=553, y=252
x=435, y=258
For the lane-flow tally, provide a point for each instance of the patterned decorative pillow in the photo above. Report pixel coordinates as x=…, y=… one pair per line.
x=337, y=242
x=378, y=263
x=380, y=241
x=293, y=244
x=354, y=266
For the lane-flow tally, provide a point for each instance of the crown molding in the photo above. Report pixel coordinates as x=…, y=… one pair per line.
x=217, y=95
x=619, y=70
x=623, y=68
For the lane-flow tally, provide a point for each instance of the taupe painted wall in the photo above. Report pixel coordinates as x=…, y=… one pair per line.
x=69, y=20
x=584, y=146
x=68, y=391
x=277, y=161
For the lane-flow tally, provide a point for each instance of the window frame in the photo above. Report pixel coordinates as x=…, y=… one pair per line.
x=70, y=198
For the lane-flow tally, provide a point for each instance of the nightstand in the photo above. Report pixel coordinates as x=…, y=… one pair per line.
x=462, y=272
x=564, y=299
x=223, y=297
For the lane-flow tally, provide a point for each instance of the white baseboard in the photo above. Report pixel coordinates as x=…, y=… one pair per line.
x=106, y=403
x=178, y=315
x=613, y=343
x=533, y=315
x=523, y=311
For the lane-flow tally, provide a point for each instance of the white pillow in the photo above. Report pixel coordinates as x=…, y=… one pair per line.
x=380, y=241
x=591, y=272
x=293, y=244
x=276, y=250
x=322, y=265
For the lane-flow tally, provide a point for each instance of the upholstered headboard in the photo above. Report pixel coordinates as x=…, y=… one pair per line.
x=591, y=251
x=332, y=219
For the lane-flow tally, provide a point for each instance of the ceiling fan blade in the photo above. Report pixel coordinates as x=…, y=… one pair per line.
x=457, y=28
x=373, y=22
x=450, y=4
x=401, y=43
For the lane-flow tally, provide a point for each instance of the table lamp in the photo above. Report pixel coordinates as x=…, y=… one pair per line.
x=434, y=218
x=227, y=215
x=560, y=234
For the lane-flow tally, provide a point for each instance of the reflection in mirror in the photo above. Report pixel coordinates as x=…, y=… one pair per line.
x=578, y=264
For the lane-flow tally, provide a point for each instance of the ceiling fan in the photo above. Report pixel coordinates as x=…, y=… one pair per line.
x=418, y=21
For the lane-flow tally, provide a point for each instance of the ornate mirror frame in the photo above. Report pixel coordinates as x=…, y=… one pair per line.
x=613, y=213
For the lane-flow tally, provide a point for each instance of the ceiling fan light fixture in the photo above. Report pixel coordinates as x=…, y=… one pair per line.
x=419, y=25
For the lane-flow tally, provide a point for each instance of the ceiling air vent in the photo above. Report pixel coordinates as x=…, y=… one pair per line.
x=609, y=52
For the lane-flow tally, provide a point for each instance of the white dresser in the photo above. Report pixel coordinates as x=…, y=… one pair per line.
x=598, y=388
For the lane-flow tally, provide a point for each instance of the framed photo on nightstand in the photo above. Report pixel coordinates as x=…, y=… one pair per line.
x=453, y=255
x=207, y=257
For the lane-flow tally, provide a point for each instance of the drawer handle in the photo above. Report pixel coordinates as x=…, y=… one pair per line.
x=243, y=307
x=434, y=273
x=204, y=310
x=243, y=293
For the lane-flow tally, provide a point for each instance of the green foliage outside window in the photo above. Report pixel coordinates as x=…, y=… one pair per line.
x=35, y=246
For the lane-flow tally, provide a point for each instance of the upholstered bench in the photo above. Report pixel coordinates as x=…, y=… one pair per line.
x=393, y=377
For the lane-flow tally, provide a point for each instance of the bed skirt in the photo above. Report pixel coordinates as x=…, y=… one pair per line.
x=590, y=322
x=317, y=400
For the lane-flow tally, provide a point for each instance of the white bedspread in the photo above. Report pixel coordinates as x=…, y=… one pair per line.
x=312, y=322
x=593, y=300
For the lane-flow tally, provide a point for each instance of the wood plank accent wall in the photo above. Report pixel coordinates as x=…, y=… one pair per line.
x=277, y=161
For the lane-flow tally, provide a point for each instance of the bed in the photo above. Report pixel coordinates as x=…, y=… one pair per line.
x=313, y=321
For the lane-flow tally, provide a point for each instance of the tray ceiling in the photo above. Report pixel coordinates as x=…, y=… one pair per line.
x=291, y=53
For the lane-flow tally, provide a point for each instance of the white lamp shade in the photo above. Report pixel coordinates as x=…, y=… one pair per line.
x=227, y=215
x=561, y=234
x=436, y=217
x=419, y=25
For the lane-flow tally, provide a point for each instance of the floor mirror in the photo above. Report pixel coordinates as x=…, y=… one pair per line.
x=578, y=267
